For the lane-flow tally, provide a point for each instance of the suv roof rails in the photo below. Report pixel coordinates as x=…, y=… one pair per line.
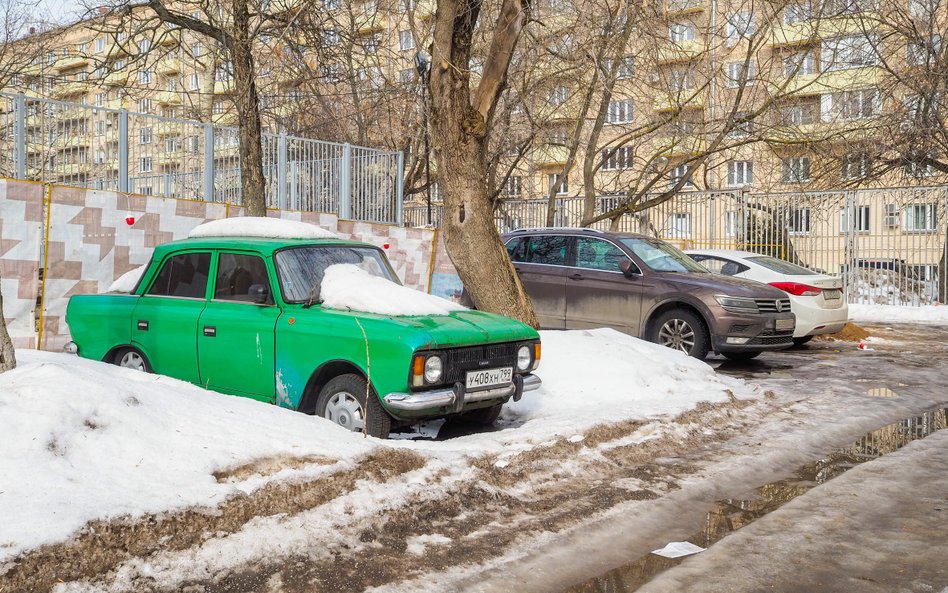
x=558, y=228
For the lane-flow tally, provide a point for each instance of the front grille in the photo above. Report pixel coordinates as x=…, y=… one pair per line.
x=773, y=305
x=770, y=337
x=458, y=361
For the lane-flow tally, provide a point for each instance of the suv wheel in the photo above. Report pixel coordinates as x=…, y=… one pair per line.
x=350, y=403
x=681, y=329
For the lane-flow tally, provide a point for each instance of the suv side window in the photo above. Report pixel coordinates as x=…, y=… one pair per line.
x=546, y=249
x=236, y=273
x=596, y=254
x=515, y=248
x=183, y=275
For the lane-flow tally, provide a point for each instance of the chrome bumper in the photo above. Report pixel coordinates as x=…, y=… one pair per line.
x=457, y=397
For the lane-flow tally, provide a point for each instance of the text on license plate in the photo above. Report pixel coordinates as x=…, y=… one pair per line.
x=832, y=295
x=784, y=324
x=489, y=377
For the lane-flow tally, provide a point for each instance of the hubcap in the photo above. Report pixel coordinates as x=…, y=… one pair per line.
x=346, y=411
x=677, y=334
x=133, y=360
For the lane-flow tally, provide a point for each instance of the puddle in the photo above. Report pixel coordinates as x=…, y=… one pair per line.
x=729, y=515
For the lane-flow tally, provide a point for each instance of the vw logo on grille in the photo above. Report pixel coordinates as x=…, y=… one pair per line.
x=779, y=306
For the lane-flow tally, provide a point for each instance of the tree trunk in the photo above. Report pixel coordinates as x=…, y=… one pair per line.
x=248, y=111
x=7, y=357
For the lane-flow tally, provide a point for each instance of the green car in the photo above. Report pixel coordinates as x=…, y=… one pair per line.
x=243, y=316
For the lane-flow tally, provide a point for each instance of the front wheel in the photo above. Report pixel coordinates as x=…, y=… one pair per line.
x=741, y=356
x=683, y=330
x=349, y=402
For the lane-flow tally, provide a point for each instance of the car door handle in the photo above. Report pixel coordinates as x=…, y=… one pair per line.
x=210, y=331
x=143, y=325
x=575, y=276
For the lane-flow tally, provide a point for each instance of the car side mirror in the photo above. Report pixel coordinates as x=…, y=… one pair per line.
x=259, y=293
x=629, y=270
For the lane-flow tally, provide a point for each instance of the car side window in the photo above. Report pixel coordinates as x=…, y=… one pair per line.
x=183, y=275
x=546, y=249
x=596, y=254
x=515, y=248
x=236, y=273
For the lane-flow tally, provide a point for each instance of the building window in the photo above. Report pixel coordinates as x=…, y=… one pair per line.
x=678, y=225
x=218, y=107
x=798, y=12
x=558, y=95
x=918, y=164
x=796, y=169
x=799, y=115
x=855, y=51
x=144, y=136
x=371, y=44
x=197, y=50
x=330, y=37
x=739, y=72
x=731, y=223
x=144, y=46
x=681, y=32
x=681, y=80
x=855, y=218
x=625, y=68
x=620, y=112
x=678, y=173
x=100, y=99
x=921, y=53
x=406, y=76
x=919, y=217
x=799, y=64
x=513, y=186
x=854, y=165
x=144, y=105
x=742, y=126
x=144, y=77
x=553, y=179
x=145, y=164
x=171, y=84
x=617, y=159
x=798, y=220
x=740, y=173
x=740, y=24
x=332, y=4
x=406, y=40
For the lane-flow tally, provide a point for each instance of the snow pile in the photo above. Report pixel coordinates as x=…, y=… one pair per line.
x=260, y=227
x=350, y=288
x=926, y=314
x=889, y=287
x=83, y=440
x=127, y=281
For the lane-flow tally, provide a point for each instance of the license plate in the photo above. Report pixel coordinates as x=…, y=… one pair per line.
x=783, y=324
x=489, y=377
x=832, y=295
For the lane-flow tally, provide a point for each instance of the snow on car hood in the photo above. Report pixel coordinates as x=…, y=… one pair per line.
x=348, y=287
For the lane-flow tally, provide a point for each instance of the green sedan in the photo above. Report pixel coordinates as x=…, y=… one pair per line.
x=243, y=316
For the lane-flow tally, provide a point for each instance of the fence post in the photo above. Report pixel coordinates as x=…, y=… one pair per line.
x=399, y=190
x=345, y=183
x=281, y=171
x=123, y=184
x=19, y=140
x=712, y=240
x=208, y=163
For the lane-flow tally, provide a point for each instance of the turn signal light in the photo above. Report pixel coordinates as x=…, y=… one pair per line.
x=536, y=355
x=418, y=371
x=797, y=289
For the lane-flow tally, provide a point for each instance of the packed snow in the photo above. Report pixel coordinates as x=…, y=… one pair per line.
x=926, y=314
x=84, y=440
x=260, y=227
x=350, y=288
x=129, y=280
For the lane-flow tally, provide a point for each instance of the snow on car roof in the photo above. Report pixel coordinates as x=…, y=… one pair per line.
x=260, y=227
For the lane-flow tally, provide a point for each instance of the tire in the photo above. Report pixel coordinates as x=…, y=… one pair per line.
x=801, y=341
x=131, y=358
x=343, y=401
x=682, y=330
x=741, y=356
x=483, y=416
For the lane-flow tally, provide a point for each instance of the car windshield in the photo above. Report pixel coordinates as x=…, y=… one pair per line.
x=780, y=266
x=301, y=269
x=661, y=256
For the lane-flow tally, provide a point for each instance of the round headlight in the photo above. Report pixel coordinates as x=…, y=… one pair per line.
x=524, y=358
x=433, y=369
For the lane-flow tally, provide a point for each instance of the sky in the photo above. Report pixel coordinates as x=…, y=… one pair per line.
x=59, y=11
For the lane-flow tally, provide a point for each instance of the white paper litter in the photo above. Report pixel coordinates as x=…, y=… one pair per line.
x=678, y=549
x=260, y=227
x=350, y=288
x=127, y=281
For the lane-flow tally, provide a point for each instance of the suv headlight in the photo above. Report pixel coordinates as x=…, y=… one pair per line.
x=524, y=358
x=433, y=369
x=736, y=304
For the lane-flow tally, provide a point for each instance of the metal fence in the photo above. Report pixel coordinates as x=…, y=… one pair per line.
x=889, y=244
x=115, y=149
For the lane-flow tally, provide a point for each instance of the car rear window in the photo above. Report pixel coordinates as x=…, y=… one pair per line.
x=184, y=276
x=546, y=249
x=781, y=266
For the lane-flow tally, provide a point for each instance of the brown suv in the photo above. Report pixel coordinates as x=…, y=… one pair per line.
x=583, y=278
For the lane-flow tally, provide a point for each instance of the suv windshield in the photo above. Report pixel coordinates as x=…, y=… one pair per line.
x=300, y=269
x=661, y=256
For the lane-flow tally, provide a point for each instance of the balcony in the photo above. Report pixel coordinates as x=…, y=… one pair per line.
x=813, y=31
x=70, y=62
x=825, y=133
x=550, y=155
x=681, y=146
x=830, y=82
x=687, y=99
x=679, y=52
x=679, y=7
x=223, y=87
x=170, y=37
x=70, y=89
x=168, y=97
x=116, y=51
x=117, y=78
x=169, y=66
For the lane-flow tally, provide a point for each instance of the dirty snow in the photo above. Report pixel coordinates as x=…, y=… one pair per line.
x=127, y=281
x=927, y=314
x=261, y=227
x=350, y=288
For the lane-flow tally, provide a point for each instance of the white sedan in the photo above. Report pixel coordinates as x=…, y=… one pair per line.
x=816, y=299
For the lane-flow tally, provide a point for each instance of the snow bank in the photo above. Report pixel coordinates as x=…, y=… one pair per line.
x=261, y=227
x=127, y=281
x=926, y=314
x=350, y=288
x=83, y=440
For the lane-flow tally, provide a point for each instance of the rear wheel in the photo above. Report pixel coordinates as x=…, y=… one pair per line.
x=741, y=356
x=683, y=330
x=350, y=403
x=801, y=341
x=130, y=358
